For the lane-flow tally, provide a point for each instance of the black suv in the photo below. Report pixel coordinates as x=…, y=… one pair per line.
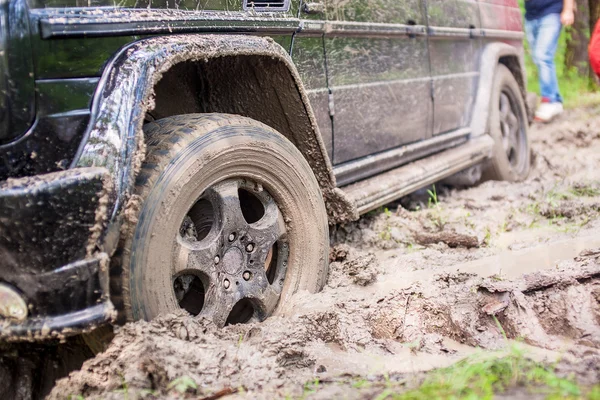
x=166, y=154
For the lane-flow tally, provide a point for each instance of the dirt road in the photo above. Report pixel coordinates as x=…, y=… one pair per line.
x=412, y=288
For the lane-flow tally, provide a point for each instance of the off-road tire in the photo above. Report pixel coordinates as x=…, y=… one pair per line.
x=499, y=166
x=188, y=153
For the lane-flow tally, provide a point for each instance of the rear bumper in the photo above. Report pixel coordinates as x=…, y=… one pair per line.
x=49, y=225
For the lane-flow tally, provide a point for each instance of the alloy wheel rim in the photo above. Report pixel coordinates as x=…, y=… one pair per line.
x=511, y=127
x=230, y=255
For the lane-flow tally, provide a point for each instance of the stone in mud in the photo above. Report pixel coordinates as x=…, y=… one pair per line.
x=339, y=253
x=451, y=239
x=434, y=344
x=361, y=270
x=495, y=307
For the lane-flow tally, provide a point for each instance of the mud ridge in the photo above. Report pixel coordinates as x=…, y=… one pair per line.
x=414, y=286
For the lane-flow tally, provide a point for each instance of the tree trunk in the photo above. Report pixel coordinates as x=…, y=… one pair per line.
x=576, y=54
x=594, y=16
x=594, y=7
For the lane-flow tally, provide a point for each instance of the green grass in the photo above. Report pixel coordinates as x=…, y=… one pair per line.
x=483, y=375
x=487, y=239
x=585, y=191
x=310, y=388
x=433, y=200
x=182, y=385
x=436, y=215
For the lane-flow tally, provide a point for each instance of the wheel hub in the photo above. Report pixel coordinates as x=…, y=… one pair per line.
x=233, y=261
x=240, y=257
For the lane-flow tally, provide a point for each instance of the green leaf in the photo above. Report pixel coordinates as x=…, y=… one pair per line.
x=182, y=384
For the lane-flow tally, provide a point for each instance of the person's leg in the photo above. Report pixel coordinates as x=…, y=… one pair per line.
x=546, y=43
x=531, y=30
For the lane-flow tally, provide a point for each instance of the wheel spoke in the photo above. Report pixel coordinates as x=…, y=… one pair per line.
x=220, y=301
x=512, y=121
x=504, y=106
x=266, y=301
x=218, y=304
x=225, y=198
x=268, y=230
x=504, y=129
x=513, y=134
x=200, y=256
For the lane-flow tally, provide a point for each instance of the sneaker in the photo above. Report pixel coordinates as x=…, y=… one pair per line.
x=546, y=112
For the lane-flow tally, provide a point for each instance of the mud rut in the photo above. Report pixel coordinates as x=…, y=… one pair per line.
x=411, y=288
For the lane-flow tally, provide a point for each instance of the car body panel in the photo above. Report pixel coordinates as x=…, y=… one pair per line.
x=308, y=55
x=380, y=102
x=454, y=56
x=378, y=72
x=501, y=15
x=16, y=66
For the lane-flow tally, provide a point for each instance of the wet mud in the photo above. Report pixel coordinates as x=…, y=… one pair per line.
x=415, y=286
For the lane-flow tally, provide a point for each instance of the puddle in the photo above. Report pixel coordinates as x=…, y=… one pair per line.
x=403, y=359
x=525, y=239
x=512, y=264
x=508, y=264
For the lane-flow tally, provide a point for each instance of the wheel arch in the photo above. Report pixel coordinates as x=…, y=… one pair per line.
x=131, y=86
x=493, y=55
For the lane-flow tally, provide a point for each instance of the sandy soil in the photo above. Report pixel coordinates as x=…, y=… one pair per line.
x=411, y=288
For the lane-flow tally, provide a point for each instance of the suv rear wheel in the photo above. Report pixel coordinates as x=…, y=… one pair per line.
x=508, y=128
x=231, y=222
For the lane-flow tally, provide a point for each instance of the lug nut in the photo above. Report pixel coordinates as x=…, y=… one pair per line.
x=250, y=247
x=217, y=259
x=231, y=237
x=246, y=276
x=226, y=283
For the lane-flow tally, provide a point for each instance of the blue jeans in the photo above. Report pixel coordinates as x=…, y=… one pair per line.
x=542, y=35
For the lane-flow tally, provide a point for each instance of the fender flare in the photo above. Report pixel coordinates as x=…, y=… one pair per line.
x=490, y=59
x=114, y=138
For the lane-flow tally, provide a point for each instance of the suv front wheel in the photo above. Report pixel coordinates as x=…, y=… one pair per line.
x=230, y=223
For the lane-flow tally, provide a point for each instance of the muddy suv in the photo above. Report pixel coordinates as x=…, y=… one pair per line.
x=191, y=154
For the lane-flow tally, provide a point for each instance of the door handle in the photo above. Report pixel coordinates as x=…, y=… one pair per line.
x=313, y=8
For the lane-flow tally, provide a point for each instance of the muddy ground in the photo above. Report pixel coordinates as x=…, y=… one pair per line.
x=416, y=286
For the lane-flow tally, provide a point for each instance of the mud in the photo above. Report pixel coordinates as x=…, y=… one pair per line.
x=393, y=308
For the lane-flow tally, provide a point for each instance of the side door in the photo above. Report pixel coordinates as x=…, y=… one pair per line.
x=378, y=74
x=454, y=44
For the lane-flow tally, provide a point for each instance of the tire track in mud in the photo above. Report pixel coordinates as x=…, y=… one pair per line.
x=394, y=306
x=353, y=334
